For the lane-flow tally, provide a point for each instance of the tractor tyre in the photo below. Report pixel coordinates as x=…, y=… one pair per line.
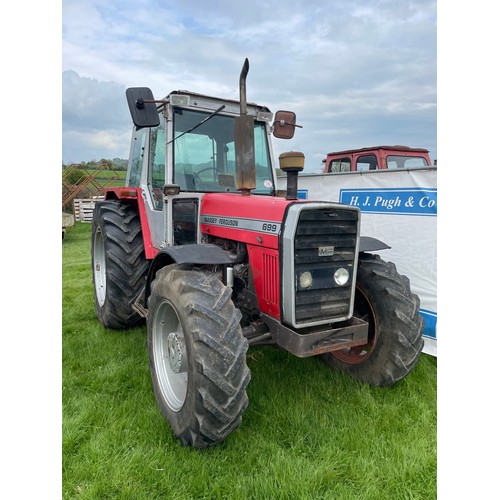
x=197, y=355
x=119, y=263
x=383, y=299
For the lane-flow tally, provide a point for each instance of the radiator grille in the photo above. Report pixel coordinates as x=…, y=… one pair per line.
x=325, y=240
x=271, y=277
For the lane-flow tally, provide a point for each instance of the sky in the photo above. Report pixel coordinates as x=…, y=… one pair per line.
x=357, y=73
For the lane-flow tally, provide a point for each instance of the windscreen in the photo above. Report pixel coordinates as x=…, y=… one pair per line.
x=204, y=158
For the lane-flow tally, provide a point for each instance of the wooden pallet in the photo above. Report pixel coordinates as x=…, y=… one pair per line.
x=83, y=208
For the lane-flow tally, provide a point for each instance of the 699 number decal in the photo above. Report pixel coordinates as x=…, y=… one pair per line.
x=269, y=227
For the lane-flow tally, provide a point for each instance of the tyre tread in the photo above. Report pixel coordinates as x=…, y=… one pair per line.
x=126, y=264
x=400, y=343
x=219, y=354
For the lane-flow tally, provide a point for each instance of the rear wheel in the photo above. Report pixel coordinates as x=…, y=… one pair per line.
x=197, y=355
x=385, y=301
x=119, y=263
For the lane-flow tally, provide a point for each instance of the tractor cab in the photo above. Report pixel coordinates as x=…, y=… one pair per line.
x=187, y=145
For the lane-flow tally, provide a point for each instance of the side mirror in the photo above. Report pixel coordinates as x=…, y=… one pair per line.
x=142, y=107
x=284, y=124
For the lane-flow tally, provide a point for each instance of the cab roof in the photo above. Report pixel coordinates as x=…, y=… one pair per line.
x=216, y=99
x=405, y=149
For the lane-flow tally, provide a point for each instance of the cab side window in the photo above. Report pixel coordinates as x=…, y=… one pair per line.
x=156, y=178
x=394, y=161
x=340, y=165
x=366, y=162
x=136, y=158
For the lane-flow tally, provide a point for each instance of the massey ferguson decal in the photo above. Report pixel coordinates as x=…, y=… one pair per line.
x=326, y=251
x=257, y=226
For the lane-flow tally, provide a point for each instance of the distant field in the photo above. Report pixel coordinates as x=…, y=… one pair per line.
x=106, y=174
x=309, y=432
x=107, y=178
x=104, y=177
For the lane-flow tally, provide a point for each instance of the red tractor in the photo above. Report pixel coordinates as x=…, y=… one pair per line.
x=202, y=245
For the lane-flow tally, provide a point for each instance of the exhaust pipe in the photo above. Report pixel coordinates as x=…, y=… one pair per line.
x=243, y=87
x=244, y=140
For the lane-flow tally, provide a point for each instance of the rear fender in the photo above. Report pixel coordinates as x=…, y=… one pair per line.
x=133, y=196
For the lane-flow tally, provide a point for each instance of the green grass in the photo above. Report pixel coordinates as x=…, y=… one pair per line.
x=308, y=433
x=105, y=175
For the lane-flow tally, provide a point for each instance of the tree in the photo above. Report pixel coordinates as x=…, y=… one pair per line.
x=76, y=177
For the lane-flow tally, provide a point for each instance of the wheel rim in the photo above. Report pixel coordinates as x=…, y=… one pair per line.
x=99, y=268
x=170, y=356
x=359, y=354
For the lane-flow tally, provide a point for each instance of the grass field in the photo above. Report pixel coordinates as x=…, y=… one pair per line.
x=308, y=433
x=105, y=175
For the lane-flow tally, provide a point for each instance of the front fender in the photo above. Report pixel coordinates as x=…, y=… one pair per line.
x=369, y=244
x=202, y=254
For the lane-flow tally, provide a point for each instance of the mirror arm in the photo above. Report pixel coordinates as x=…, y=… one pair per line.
x=139, y=104
x=283, y=123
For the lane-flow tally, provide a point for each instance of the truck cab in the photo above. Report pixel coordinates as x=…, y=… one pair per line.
x=376, y=158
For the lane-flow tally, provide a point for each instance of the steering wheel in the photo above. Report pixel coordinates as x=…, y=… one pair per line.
x=196, y=175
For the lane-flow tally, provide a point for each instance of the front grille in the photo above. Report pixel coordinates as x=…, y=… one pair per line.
x=324, y=229
x=324, y=239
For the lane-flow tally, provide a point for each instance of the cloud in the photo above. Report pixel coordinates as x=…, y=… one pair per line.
x=96, y=122
x=355, y=72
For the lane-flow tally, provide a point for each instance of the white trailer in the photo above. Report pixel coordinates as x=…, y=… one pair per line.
x=398, y=207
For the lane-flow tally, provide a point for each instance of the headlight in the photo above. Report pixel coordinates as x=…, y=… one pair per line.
x=341, y=276
x=306, y=280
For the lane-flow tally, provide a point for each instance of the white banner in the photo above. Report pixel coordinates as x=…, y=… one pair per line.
x=398, y=207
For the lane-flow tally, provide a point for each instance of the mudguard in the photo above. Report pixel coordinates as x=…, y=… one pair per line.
x=202, y=254
x=369, y=244
x=196, y=254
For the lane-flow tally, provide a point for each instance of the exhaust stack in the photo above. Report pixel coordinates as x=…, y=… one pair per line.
x=244, y=140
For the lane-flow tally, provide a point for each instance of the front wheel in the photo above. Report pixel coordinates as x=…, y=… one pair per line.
x=197, y=355
x=383, y=299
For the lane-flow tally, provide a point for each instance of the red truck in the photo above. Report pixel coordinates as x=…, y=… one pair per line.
x=376, y=158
